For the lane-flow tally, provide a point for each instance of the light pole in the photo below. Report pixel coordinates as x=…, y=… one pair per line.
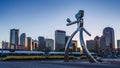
x=80, y=28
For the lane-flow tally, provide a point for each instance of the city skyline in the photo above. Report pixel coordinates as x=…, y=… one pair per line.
x=43, y=17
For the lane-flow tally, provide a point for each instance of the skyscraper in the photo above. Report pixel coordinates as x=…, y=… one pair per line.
x=108, y=33
x=60, y=40
x=35, y=43
x=23, y=40
x=50, y=43
x=29, y=43
x=118, y=44
x=74, y=45
x=41, y=43
x=14, y=38
x=5, y=45
x=97, y=40
x=102, y=43
x=91, y=45
x=66, y=39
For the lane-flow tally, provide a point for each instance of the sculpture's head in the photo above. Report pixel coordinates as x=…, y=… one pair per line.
x=80, y=14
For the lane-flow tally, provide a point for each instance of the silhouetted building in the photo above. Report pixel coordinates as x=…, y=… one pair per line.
x=36, y=43
x=79, y=49
x=107, y=42
x=14, y=38
x=118, y=44
x=97, y=40
x=91, y=45
x=29, y=43
x=74, y=45
x=23, y=40
x=60, y=40
x=70, y=44
x=50, y=44
x=19, y=47
x=0, y=45
x=41, y=43
x=102, y=43
x=5, y=45
x=108, y=34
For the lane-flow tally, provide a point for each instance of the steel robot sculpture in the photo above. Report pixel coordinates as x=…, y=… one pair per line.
x=80, y=28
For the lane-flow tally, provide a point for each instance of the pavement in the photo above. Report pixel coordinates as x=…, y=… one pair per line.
x=53, y=64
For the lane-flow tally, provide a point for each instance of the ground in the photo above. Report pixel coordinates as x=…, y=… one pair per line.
x=53, y=64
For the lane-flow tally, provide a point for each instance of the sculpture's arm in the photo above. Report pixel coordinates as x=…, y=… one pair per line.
x=70, y=23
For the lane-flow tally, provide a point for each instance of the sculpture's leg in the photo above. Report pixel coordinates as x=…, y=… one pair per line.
x=66, y=56
x=87, y=53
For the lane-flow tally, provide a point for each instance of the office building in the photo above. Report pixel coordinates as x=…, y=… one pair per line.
x=5, y=45
x=29, y=43
x=91, y=45
x=70, y=44
x=41, y=43
x=108, y=34
x=60, y=40
x=102, y=43
x=0, y=45
x=14, y=38
x=35, y=43
x=74, y=45
x=97, y=40
x=50, y=44
x=118, y=44
x=79, y=49
x=23, y=40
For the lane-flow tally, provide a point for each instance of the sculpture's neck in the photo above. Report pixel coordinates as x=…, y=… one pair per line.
x=80, y=23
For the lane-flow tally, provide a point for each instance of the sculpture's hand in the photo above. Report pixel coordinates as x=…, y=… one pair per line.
x=68, y=20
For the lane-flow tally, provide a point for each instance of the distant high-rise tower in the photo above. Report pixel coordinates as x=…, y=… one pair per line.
x=91, y=45
x=60, y=40
x=23, y=40
x=74, y=45
x=118, y=44
x=14, y=38
x=70, y=45
x=35, y=43
x=49, y=44
x=102, y=43
x=29, y=43
x=108, y=34
x=41, y=43
x=5, y=45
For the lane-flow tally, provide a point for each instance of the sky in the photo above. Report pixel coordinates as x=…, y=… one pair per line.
x=43, y=17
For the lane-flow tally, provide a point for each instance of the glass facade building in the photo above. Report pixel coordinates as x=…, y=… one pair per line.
x=60, y=40
x=29, y=43
x=118, y=43
x=14, y=38
x=50, y=43
x=108, y=34
x=23, y=40
x=41, y=43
